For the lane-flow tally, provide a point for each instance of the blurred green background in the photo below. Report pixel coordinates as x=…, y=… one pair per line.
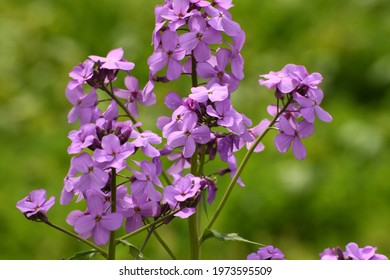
x=340, y=193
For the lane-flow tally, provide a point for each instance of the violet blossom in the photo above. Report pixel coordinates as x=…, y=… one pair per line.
x=145, y=180
x=188, y=135
x=137, y=208
x=169, y=54
x=291, y=133
x=97, y=222
x=113, y=154
x=267, y=253
x=93, y=176
x=113, y=61
x=199, y=38
x=35, y=205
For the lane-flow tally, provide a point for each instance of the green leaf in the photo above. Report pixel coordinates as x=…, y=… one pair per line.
x=133, y=250
x=85, y=255
x=210, y=233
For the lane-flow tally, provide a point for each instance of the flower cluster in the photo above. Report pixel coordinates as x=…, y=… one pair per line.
x=117, y=166
x=300, y=96
x=352, y=252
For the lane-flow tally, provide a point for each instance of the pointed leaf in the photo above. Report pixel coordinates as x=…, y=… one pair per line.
x=85, y=255
x=210, y=233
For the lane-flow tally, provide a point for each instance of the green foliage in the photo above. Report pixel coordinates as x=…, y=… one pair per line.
x=338, y=194
x=210, y=233
x=85, y=255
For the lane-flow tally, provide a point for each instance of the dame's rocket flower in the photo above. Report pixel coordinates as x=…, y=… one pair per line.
x=34, y=206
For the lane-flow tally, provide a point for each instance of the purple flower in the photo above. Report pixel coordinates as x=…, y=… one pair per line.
x=138, y=207
x=224, y=4
x=237, y=62
x=81, y=74
x=113, y=153
x=184, y=188
x=232, y=165
x=222, y=20
x=199, y=38
x=178, y=14
x=180, y=163
x=188, y=135
x=201, y=3
x=113, y=61
x=133, y=95
x=332, y=254
x=84, y=105
x=178, y=116
x=34, y=206
x=215, y=93
x=310, y=107
x=367, y=253
x=145, y=180
x=145, y=140
x=214, y=69
x=226, y=115
x=291, y=133
x=97, y=222
x=93, y=176
x=256, y=132
x=353, y=252
x=266, y=253
x=170, y=54
x=281, y=80
x=82, y=138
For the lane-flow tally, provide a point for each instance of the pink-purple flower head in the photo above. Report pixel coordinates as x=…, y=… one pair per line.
x=188, y=135
x=310, y=107
x=291, y=133
x=84, y=105
x=199, y=38
x=134, y=95
x=266, y=253
x=221, y=20
x=34, y=206
x=177, y=14
x=113, y=61
x=215, y=93
x=113, y=153
x=96, y=222
x=81, y=74
x=352, y=252
x=137, y=208
x=184, y=189
x=93, y=177
x=145, y=180
x=170, y=53
x=215, y=70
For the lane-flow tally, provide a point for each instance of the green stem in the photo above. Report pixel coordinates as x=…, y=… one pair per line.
x=165, y=245
x=193, y=220
x=193, y=234
x=90, y=244
x=161, y=241
x=241, y=168
x=111, y=244
x=202, y=160
x=155, y=223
